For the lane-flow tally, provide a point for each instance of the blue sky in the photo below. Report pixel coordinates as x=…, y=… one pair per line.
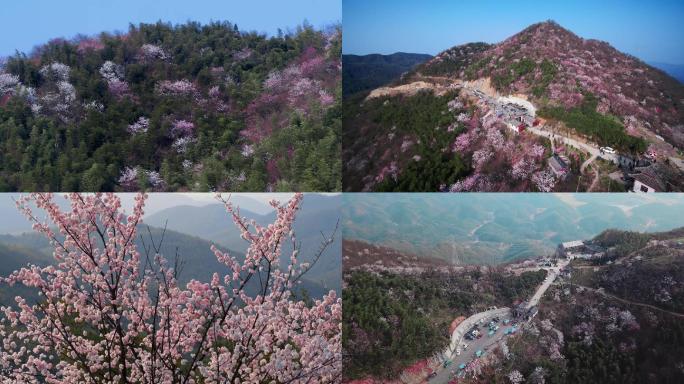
x=27, y=23
x=650, y=30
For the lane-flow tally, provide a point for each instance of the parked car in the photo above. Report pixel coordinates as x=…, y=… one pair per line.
x=607, y=150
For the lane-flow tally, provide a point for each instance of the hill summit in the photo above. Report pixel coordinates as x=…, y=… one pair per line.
x=543, y=110
x=548, y=62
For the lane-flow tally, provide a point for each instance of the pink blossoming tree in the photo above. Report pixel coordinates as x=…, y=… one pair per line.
x=111, y=313
x=176, y=88
x=8, y=82
x=182, y=128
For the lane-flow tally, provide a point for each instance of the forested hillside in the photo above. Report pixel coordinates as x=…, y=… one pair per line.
x=451, y=123
x=173, y=108
x=615, y=319
x=393, y=320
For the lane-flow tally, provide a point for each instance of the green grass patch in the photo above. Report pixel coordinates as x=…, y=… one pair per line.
x=606, y=130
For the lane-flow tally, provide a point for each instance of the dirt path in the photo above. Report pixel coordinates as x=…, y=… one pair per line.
x=681, y=315
x=583, y=168
x=587, y=162
x=595, y=182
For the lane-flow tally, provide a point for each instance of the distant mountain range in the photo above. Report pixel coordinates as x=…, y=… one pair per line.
x=498, y=228
x=366, y=72
x=319, y=213
x=674, y=70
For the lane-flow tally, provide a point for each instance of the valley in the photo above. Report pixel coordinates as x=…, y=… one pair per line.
x=494, y=229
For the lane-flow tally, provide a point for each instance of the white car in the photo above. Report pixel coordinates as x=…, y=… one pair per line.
x=607, y=150
x=458, y=351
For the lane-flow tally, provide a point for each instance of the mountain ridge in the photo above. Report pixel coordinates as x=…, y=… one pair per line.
x=498, y=228
x=364, y=72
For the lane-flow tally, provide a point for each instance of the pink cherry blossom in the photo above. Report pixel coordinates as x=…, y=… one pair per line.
x=86, y=45
x=111, y=312
x=181, y=144
x=8, y=82
x=325, y=98
x=182, y=128
x=140, y=126
x=129, y=178
x=176, y=88
x=56, y=71
x=544, y=180
x=150, y=52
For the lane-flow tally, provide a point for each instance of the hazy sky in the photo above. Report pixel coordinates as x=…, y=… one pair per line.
x=27, y=23
x=650, y=30
x=159, y=201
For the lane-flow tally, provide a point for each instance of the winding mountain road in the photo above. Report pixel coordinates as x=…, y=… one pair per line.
x=553, y=273
x=486, y=343
x=587, y=162
x=592, y=149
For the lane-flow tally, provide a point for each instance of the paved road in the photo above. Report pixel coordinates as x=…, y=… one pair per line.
x=550, y=277
x=596, y=179
x=583, y=167
x=485, y=344
x=592, y=149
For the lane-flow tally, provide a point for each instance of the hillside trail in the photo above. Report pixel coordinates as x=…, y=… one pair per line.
x=583, y=168
x=594, y=183
x=587, y=162
x=676, y=314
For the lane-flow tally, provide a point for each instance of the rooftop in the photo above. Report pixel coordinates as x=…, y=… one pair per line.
x=572, y=244
x=557, y=164
x=649, y=178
